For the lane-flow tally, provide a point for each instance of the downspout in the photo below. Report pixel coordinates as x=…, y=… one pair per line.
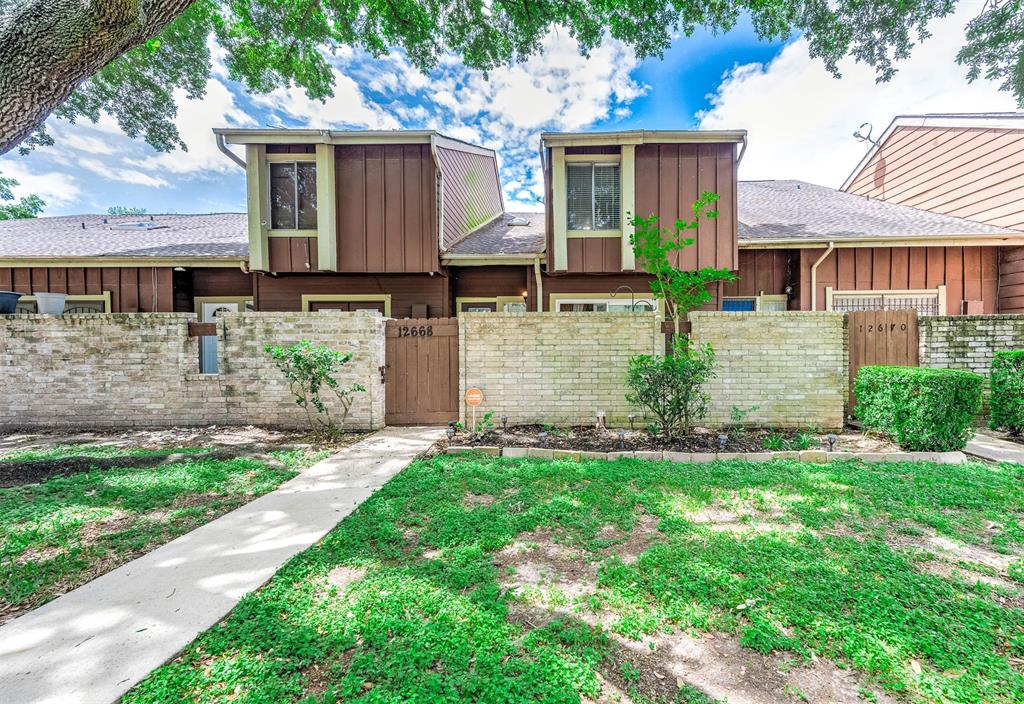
x=540, y=285
x=743, y=150
x=440, y=193
x=814, y=275
x=222, y=145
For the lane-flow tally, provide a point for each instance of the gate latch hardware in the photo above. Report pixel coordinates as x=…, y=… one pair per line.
x=383, y=372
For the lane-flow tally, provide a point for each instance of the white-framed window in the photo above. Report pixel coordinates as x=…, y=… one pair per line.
x=486, y=304
x=88, y=303
x=924, y=301
x=593, y=196
x=764, y=303
x=604, y=305
x=293, y=195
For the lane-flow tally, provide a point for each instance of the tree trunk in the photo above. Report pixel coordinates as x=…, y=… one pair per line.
x=48, y=47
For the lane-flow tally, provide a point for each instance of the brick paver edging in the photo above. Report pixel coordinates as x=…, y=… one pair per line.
x=814, y=456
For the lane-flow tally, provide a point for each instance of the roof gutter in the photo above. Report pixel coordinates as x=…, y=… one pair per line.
x=965, y=240
x=222, y=145
x=814, y=275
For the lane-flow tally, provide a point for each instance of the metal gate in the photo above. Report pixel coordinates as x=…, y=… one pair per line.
x=886, y=337
x=421, y=376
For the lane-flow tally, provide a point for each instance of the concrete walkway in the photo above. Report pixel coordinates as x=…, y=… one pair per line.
x=995, y=449
x=92, y=645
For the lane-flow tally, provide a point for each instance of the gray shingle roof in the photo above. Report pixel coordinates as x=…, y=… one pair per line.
x=794, y=210
x=220, y=235
x=501, y=237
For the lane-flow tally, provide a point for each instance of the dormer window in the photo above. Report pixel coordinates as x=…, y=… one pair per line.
x=593, y=196
x=293, y=195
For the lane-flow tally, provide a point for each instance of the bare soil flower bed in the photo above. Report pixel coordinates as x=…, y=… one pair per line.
x=593, y=439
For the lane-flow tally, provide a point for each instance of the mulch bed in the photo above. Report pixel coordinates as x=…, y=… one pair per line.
x=591, y=439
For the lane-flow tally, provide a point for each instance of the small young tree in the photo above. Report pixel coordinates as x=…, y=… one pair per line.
x=309, y=369
x=671, y=388
x=656, y=247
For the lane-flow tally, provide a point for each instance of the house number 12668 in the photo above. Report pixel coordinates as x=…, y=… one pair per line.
x=416, y=331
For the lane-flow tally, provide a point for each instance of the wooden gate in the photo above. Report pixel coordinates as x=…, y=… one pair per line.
x=886, y=337
x=421, y=379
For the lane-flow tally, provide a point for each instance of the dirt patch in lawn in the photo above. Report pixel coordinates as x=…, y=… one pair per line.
x=249, y=437
x=717, y=665
x=595, y=439
x=18, y=473
x=550, y=579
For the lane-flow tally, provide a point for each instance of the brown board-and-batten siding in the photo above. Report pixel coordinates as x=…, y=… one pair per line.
x=292, y=254
x=1011, y=280
x=968, y=172
x=132, y=289
x=284, y=292
x=472, y=194
x=766, y=271
x=968, y=273
x=671, y=177
x=387, y=209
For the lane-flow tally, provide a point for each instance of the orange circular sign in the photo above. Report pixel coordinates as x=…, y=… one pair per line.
x=474, y=397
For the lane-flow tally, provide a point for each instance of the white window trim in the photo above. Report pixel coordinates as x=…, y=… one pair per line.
x=290, y=231
x=594, y=161
x=71, y=298
x=308, y=298
x=559, y=298
x=559, y=205
x=939, y=292
x=501, y=303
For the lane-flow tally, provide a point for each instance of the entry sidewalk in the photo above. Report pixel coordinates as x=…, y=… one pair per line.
x=995, y=449
x=92, y=645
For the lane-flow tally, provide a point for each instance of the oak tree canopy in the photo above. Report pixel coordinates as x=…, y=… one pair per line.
x=77, y=59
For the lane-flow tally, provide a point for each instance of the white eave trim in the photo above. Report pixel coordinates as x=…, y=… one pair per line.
x=580, y=139
x=455, y=259
x=1009, y=240
x=305, y=136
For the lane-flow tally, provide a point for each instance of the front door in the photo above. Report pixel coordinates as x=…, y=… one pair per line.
x=208, y=344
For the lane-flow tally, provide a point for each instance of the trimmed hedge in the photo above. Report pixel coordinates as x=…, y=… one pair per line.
x=924, y=410
x=1006, y=403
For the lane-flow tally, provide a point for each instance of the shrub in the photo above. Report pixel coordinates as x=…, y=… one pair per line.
x=670, y=388
x=921, y=409
x=1006, y=403
x=310, y=368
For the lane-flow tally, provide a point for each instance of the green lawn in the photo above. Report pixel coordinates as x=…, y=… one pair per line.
x=59, y=534
x=474, y=579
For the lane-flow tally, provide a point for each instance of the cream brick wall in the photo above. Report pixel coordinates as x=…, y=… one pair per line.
x=792, y=366
x=142, y=370
x=968, y=341
x=557, y=368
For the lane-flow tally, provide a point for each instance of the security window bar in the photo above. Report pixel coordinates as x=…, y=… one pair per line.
x=293, y=195
x=924, y=304
x=593, y=196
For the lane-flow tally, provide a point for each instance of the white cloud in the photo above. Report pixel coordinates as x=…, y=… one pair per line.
x=54, y=187
x=346, y=108
x=195, y=120
x=801, y=119
x=117, y=173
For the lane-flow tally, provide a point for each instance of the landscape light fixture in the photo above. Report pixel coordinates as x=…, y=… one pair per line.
x=543, y=437
x=831, y=437
x=504, y=423
x=450, y=432
x=599, y=415
x=722, y=440
x=622, y=439
x=632, y=419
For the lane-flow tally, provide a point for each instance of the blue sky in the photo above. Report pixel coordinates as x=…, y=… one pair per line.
x=800, y=118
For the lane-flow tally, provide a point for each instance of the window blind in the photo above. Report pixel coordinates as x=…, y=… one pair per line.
x=593, y=196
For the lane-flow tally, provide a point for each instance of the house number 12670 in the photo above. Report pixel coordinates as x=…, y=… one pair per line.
x=416, y=331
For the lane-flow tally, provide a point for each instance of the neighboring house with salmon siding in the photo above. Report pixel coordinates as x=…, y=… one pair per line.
x=413, y=224
x=969, y=165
